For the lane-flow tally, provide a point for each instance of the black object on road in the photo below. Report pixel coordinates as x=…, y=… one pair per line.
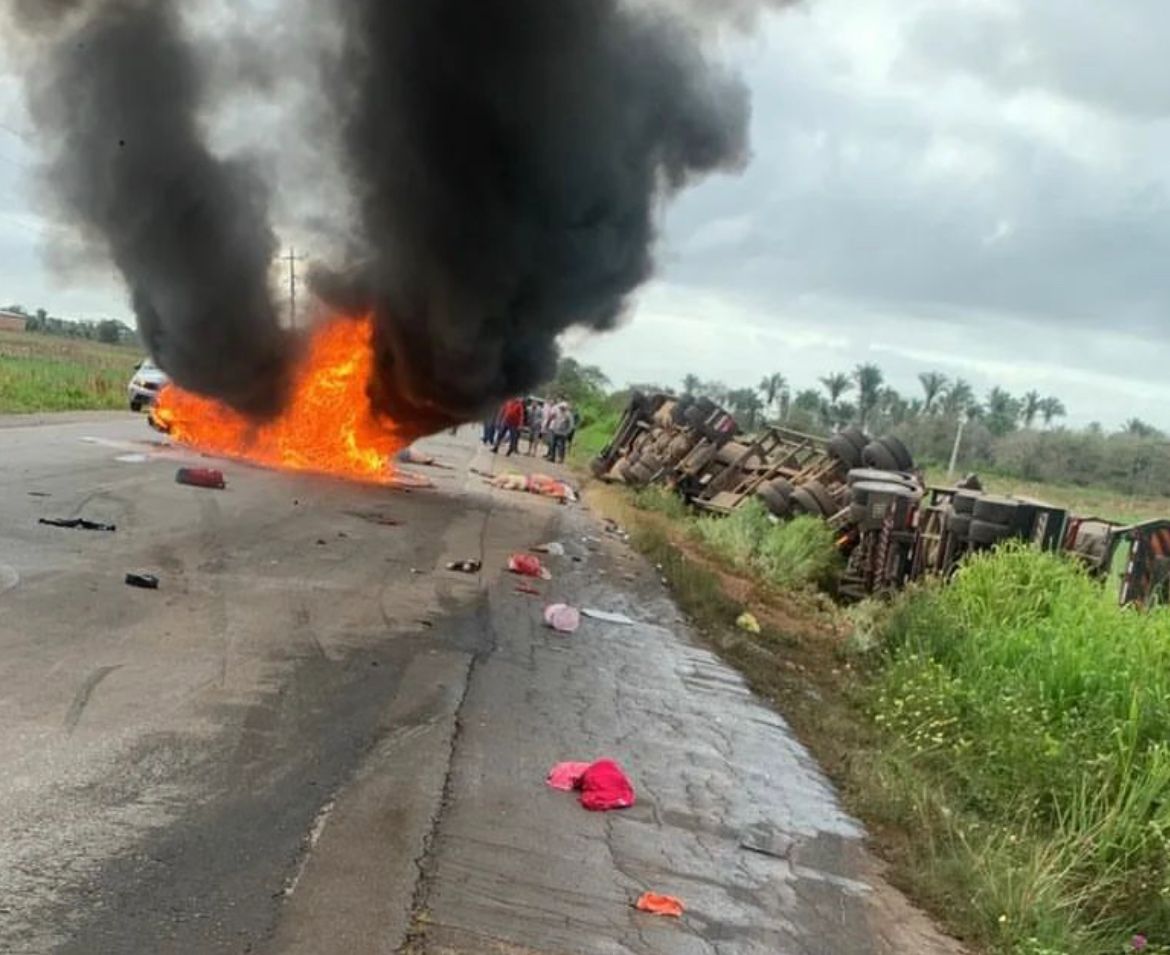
x=77, y=523
x=145, y=581
x=466, y=566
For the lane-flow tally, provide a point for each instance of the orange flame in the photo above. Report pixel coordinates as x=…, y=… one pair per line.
x=327, y=426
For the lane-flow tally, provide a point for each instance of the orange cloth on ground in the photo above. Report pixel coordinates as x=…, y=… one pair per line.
x=657, y=904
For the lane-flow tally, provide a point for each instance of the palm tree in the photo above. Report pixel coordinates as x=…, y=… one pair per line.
x=745, y=404
x=958, y=398
x=1003, y=411
x=785, y=403
x=1051, y=408
x=836, y=385
x=934, y=385
x=893, y=407
x=1030, y=407
x=691, y=384
x=771, y=387
x=869, y=380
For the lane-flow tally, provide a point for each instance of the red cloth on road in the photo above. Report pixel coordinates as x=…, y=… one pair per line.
x=566, y=776
x=604, y=786
x=657, y=904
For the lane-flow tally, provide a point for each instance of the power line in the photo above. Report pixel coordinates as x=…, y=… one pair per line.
x=292, y=259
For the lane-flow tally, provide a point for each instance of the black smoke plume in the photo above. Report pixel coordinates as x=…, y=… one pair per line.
x=506, y=160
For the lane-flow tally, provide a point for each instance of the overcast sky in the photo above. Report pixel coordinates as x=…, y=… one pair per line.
x=974, y=186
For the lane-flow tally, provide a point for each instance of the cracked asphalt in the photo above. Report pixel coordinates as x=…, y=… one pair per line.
x=314, y=738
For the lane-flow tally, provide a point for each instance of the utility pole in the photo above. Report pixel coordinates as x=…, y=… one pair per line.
x=955, y=449
x=292, y=259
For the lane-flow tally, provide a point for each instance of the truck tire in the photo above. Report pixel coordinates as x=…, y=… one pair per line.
x=693, y=417
x=877, y=455
x=864, y=490
x=844, y=450
x=822, y=496
x=899, y=451
x=804, y=503
x=776, y=502
x=964, y=501
x=995, y=510
x=987, y=532
x=731, y=452
x=855, y=436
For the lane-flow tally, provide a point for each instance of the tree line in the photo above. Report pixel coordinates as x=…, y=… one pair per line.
x=108, y=331
x=1017, y=435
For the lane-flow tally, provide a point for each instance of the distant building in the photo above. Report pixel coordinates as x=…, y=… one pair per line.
x=12, y=321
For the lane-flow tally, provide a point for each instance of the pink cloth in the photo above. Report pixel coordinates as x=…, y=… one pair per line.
x=604, y=786
x=566, y=776
x=562, y=617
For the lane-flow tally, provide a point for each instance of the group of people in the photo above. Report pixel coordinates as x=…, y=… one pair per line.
x=550, y=422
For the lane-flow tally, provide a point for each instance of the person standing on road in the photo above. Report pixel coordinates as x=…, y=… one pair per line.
x=491, y=426
x=511, y=423
x=560, y=425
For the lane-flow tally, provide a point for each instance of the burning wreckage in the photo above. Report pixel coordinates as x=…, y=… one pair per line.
x=892, y=527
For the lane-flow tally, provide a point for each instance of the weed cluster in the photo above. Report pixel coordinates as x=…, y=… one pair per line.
x=1029, y=726
x=797, y=553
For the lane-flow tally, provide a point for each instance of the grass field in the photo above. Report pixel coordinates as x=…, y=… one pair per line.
x=49, y=373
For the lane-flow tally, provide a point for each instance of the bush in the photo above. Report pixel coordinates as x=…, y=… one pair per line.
x=662, y=501
x=1042, y=711
x=794, y=554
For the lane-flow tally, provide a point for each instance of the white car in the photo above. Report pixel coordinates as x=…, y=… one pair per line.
x=147, y=382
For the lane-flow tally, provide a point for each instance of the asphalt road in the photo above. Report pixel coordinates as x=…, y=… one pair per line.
x=313, y=738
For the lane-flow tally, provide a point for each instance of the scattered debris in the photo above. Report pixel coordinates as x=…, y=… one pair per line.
x=566, y=776
x=39, y=494
x=607, y=616
x=77, y=523
x=562, y=618
x=747, y=621
x=540, y=484
x=201, y=477
x=657, y=904
x=320, y=542
x=604, y=786
x=413, y=570
x=555, y=548
x=528, y=566
x=526, y=589
x=144, y=581
x=466, y=566
x=131, y=458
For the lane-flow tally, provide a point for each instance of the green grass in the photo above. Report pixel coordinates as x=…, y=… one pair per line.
x=1027, y=723
x=797, y=553
x=1085, y=501
x=47, y=373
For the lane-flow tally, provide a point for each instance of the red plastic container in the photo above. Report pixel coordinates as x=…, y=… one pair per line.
x=201, y=477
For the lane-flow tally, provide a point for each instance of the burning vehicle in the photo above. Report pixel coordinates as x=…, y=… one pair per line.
x=145, y=384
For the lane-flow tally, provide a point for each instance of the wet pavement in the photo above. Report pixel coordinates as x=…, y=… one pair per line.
x=314, y=738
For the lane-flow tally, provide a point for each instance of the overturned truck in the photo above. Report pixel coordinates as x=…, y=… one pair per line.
x=891, y=527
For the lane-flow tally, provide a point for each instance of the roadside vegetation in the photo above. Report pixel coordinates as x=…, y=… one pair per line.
x=1006, y=736
x=55, y=373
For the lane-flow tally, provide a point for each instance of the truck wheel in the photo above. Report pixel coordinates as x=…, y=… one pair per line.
x=774, y=501
x=844, y=450
x=899, y=451
x=136, y=405
x=877, y=455
x=858, y=438
x=804, y=503
x=824, y=499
